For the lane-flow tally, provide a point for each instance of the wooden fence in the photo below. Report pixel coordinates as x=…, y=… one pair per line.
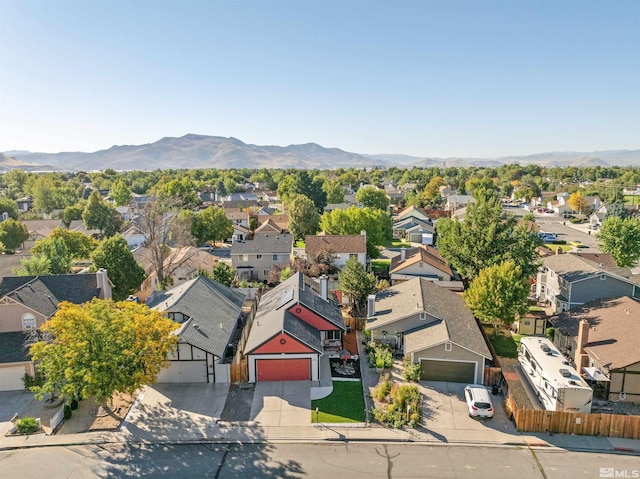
x=562, y=422
x=492, y=376
x=239, y=372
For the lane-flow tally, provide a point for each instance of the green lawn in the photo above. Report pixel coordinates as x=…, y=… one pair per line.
x=631, y=199
x=380, y=264
x=299, y=244
x=505, y=345
x=396, y=243
x=553, y=247
x=344, y=404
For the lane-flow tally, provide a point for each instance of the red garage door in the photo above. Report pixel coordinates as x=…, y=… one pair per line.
x=283, y=369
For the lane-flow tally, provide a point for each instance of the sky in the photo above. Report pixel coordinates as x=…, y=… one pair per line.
x=450, y=78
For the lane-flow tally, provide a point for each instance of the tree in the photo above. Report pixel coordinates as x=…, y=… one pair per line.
x=34, y=266
x=211, y=224
x=356, y=283
x=55, y=250
x=121, y=193
x=223, y=274
x=73, y=213
x=100, y=215
x=42, y=191
x=487, y=237
x=159, y=219
x=13, y=234
x=431, y=193
x=621, y=238
x=499, y=294
x=577, y=202
x=301, y=183
x=9, y=206
x=334, y=191
x=78, y=245
x=304, y=218
x=114, y=255
x=102, y=347
x=372, y=197
x=377, y=224
x=617, y=209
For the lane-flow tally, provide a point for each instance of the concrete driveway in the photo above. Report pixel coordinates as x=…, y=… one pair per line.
x=12, y=402
x=282, y=403
x=444, y=411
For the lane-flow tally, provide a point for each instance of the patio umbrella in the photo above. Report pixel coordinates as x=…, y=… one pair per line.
x=344, y=354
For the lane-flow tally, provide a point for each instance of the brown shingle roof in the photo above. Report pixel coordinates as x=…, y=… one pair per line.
x=335, y=243
x=423, y=253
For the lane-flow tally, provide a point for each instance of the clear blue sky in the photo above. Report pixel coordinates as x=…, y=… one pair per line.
x=424, y=78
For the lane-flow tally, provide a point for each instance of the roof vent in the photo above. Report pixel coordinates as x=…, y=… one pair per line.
x=565, y=373
x=545, y=348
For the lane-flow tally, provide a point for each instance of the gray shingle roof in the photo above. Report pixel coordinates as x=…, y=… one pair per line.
x=411, y=297
x=264, y=244
x=573, y=267
x=213, y=310
x=272, y=316
x=44, y=293
x=12, y=348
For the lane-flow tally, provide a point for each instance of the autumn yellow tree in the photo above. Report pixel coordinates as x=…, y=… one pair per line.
x=577, y=202
x=102, y=347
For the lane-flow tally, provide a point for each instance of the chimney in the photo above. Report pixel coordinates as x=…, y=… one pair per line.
x=403, y=254
x=324, y=287
x=581, y=342
x=371, y=305
x=102, y=281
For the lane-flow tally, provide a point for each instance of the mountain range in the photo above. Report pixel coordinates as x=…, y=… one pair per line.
x=201, y=151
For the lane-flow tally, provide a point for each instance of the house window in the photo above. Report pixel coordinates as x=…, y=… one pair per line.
x=266, y=272
x=353, y=255
x=276, y=257
x=423, y=316
x=244, y=257
x=28, y=321
x=258, y=256
x=447, y=346
x=603, y=277
x=527, y=323
x=334, y=334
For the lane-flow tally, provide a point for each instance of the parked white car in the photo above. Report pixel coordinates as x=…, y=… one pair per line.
x=478, y=401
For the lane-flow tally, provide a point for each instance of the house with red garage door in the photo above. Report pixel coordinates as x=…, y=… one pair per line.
x=293, y=327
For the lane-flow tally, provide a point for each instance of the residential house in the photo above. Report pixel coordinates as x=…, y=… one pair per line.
x=433, y=326
x=596, y=218
x=601, y=337
x=254, y=259
x=342, y=247
x=412, y=212
x=569, y=280
x=134, y=236
x=281, y=222
x=292, y=332
x=26, y=303
x=211, y=320
x=240, y=220
x=423, y=262
x=414, y=230
x=455, y=202
x=180, y=266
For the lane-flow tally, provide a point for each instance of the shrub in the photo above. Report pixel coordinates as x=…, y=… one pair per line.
x=550, y=333
x=405, y=407
x=27, y=425
x=67, y=411
x=31, y=381
x=411, y=369
x=379, y=362
x=383, y=388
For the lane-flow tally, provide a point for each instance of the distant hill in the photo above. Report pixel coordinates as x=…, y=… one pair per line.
x=568, y=158
x=201, y=151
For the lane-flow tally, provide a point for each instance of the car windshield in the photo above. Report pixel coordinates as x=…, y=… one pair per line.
x=483, y=405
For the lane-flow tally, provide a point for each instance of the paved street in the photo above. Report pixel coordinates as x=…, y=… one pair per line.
x=340, y=460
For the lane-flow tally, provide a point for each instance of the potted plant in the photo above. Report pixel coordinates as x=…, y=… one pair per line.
x=379, y=364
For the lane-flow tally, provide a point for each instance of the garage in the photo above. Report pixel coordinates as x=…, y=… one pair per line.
x=450, y=371
x=184, y=372
x=11, y=378
x=283, y=369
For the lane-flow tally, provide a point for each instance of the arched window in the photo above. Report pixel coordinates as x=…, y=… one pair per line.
x=28, y=321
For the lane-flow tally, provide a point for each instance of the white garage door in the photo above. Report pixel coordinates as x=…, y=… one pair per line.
x=11, y=378
x=184, y=372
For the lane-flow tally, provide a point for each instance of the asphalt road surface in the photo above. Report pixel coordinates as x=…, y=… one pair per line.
x=289, y=461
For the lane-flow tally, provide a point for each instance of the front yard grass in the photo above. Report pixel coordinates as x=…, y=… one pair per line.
x=380, y=264
x=553, y=247
x=505, y=343
x=344, y=404
x=396, y=243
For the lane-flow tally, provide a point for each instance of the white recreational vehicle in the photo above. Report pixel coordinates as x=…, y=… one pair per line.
x=555, y=381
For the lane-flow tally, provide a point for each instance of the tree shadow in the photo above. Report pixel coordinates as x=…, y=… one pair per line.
x=191, y=460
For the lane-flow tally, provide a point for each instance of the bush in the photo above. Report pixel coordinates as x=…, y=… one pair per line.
x=550, y=333
x=405, y=407
x=411, y=369
x=32, y=381
x=67, y=411
x=27, y=425
x=383, y=388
